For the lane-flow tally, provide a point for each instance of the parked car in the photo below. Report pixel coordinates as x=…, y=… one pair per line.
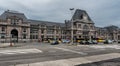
x=91, y=42
x=82, y=42
x=88, y=42
x=114, y=41
x=54, y=42
x=108, y=42
x=65, y=41
x=85, y=42
x=94, y=42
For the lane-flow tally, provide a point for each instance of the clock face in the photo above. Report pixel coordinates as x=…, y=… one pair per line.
x=85, y=17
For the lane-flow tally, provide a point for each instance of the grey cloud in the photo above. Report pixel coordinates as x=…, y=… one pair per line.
x=102, y=12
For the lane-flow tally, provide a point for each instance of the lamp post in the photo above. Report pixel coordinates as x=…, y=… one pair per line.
x=72, y=9
x=11, y=40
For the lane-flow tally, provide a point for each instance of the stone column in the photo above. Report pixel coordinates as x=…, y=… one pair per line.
x=28, y=32
x=39, y=35
x=8, y=32
x=20, y=34
x=45, y=33
x=59, y=33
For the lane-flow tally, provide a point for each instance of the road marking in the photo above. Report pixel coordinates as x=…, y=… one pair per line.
x=20, y=51
x=105, y=46
x=52, y=51
x=75, y=61
x=82, y=53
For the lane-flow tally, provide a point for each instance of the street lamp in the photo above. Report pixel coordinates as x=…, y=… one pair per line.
x=11, y=40
x=72, y=9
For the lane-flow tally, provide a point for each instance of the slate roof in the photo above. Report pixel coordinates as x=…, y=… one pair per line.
x=78, y=13
x=47, y=23
x=10, y=13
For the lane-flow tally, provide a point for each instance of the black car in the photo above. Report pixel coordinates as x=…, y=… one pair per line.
x=82, y=42
x=88, y=42
x=55, y=42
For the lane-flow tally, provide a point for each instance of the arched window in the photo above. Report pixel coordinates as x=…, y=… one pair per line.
x=79, y=25
x=14, y=21
x=3, y=29
x=85, y=27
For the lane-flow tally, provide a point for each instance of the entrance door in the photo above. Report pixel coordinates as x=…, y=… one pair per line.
x=14, y=35
x=42, y=37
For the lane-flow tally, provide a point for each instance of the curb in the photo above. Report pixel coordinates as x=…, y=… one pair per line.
x=4, y=45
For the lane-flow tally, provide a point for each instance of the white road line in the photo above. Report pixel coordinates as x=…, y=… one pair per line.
x=82, y=53
x=20, y=51
x=6, y=53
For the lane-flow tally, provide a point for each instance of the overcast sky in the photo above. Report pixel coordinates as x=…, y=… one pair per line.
x=102, y=12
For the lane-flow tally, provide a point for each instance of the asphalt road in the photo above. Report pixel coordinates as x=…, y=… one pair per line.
x=111, y=62
x=52, y=52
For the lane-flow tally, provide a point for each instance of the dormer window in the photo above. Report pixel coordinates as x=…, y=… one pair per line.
x=84, y=16
x=81, y=16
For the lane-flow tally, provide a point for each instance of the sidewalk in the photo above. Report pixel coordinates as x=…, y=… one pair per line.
x=75, y=61
x=2, y=45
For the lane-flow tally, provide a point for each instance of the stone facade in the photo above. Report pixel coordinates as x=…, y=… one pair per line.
x=103, y=33
x=83, y=26
x=14, y=26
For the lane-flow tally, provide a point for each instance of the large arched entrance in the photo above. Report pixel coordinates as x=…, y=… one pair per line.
x=14, y=35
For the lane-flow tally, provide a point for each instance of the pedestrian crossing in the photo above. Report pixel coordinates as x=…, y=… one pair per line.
x=105, y=46
x=19, y=51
